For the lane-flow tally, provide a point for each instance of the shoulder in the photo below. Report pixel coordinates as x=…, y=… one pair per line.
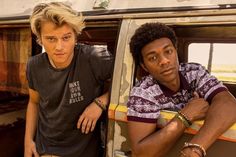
x=37, y=59
x=145, y=82
x=193, y=71
x=83, y=47
x=148, y=86
x=92, y=50
x=34, y=64
x=191, y=67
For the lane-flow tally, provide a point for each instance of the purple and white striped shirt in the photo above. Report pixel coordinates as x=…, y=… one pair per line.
x=148, y=97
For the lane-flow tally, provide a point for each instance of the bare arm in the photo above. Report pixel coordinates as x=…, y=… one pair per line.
x=221, y=115
x=31, y=124
x=147, y=141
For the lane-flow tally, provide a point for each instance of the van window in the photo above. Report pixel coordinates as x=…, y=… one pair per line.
x=101, y=34
x=218, y=58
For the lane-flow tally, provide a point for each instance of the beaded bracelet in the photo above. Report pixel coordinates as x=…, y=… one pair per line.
x=194, y=145
x=99, y=103
x=182, y=119
x=185, y=117
x=196, y=150
x=182, y=153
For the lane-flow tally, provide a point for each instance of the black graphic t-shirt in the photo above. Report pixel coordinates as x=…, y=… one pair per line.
x=64, y=94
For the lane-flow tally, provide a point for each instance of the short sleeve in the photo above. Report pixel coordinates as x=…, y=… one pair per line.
x=142, y=106
x=29, y=73
x=102, y=63
x=208, y=85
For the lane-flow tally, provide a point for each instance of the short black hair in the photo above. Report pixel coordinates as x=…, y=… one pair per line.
x=147, y=33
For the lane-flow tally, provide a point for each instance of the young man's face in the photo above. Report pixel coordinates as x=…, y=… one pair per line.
x=160, y=60
x=58, y=42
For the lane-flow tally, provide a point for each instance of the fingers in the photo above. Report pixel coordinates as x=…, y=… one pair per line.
x=36, y=154
x=80, y=121
x=93, y=125
x=195, y=95
x=90, y=126
x=30, y=150
x=88, y=118
x=86, y=124
x=35, y=151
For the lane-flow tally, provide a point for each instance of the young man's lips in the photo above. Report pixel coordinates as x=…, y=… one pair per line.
x=59, y=54
x=167, y=71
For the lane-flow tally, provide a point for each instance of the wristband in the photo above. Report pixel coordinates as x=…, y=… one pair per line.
x=194, y=145
x=99, y=104
x=183, y=120
x=197, y=151
x=185, y=117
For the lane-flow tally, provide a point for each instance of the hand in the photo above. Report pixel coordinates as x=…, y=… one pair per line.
x=30, y=150
x=89, y=117
x=196, y=109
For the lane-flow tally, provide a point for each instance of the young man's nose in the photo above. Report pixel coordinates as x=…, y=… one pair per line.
x=59, y=45
x=164, y=60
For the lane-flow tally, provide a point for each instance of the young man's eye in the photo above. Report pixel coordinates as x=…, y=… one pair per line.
x=51, y=39
x=66, y=38
x=169, y=51
x=152, y=58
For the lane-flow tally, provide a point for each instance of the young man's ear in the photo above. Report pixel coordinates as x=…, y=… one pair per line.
x=143, y=66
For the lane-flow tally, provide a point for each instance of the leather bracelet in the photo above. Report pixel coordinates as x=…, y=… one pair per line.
x=185, y=117
x=194, y=145
x=183, y=120
x=99, y=104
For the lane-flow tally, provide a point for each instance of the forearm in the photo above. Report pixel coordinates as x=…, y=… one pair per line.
x=160, y=142
x=31, y=121
x=221, y=115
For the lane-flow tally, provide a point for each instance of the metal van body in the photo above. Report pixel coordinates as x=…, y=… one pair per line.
x=112, y=23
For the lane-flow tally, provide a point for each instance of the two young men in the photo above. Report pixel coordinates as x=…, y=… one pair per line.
x=66, y=98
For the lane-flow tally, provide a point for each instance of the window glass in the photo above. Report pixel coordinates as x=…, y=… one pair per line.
x=218, y=58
